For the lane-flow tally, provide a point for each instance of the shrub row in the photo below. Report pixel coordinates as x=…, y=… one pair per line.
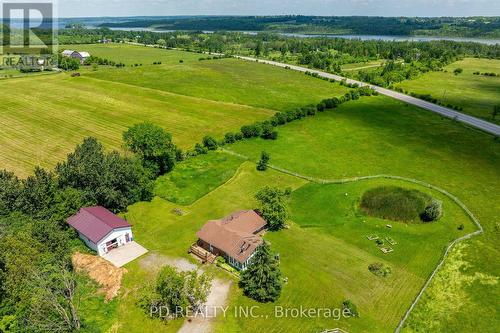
x=266, y=129
x=316, y=75
x=486, y=74
x=342, y=82
x=102, y=61
x=214, y=57
x=349, y=85
x=429, y=98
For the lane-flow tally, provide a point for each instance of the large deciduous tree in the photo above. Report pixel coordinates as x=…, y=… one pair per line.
x=106, y=178
x=273, y=207
x=175, y=293
x=38, y=193
x=154, y=146
x=263, y=162
x=10, y=189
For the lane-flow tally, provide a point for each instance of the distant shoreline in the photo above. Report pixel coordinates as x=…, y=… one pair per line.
x=482, y=40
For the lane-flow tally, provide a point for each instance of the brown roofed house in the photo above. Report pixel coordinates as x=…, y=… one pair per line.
x=235, y=237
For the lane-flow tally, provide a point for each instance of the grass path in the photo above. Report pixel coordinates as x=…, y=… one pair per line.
x=410, y=180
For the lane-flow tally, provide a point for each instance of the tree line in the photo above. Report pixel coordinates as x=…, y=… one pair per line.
x=363, y=25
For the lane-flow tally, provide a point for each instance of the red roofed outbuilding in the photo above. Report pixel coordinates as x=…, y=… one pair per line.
x=100, y=229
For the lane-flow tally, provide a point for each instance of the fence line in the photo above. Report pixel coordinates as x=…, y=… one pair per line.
x=411, y=180
x=415, y=181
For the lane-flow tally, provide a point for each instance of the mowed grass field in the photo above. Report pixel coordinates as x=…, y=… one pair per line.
x=377, y=135
x=43, y=118
x=324, y=255
x=477, y=94
x=228, y=80
x=133, y=54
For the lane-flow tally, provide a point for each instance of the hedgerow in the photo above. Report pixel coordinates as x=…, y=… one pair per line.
x=266, y=129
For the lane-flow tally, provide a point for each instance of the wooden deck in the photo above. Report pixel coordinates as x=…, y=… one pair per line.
x=204, y=255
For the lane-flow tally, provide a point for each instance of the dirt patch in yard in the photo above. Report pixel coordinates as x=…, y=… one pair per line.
x=101, y=271
x=154, y=261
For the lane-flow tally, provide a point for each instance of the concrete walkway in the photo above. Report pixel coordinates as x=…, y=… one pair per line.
x=446, y=112
x=124, y=254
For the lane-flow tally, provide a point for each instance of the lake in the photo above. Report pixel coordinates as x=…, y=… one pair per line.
x=362, y=37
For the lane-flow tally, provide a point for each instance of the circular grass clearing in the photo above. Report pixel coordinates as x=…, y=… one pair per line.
x=396, y=203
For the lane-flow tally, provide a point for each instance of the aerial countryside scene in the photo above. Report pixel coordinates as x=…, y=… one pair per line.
x=217, y=166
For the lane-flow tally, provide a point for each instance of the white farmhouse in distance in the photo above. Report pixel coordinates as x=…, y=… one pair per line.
x=82, y=56
x=100, y=229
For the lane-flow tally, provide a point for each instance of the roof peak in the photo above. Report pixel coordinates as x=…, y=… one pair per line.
x=96, y=222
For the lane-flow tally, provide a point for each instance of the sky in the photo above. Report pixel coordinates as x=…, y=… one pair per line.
x=81, y=8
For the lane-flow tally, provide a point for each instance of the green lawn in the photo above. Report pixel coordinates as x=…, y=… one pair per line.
x=327, y=241
x=378, y=135
x=163, y=232
x=326, y=254
x=196, y=177
x=477, y=94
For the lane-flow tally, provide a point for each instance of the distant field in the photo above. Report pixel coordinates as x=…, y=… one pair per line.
x=61, y=111
x=362, y=65
x=229, y=80
x=189, y=100
x=6, y=73
x=133, y=54
x=477, y=94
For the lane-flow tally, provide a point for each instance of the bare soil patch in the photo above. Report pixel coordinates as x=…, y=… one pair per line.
x=101, y=271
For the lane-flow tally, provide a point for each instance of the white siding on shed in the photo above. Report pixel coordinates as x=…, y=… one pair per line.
x=119, y=235
x=87, y=241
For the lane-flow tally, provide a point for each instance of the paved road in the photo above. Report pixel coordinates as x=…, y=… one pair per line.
x=446, y=112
